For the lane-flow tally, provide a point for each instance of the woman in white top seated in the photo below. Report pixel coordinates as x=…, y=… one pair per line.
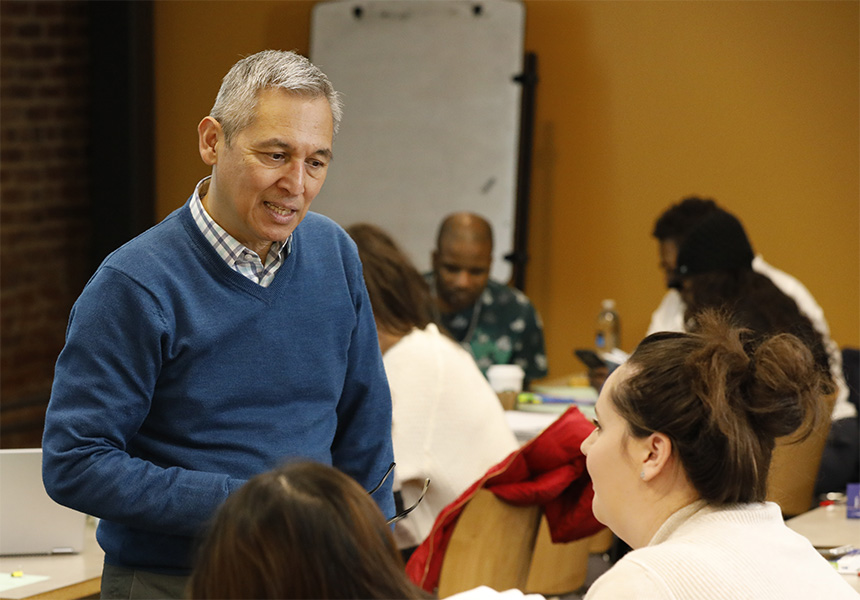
x=679, y=460
x=447, y=422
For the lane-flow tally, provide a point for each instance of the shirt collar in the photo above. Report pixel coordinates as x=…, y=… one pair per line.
x=227, y=247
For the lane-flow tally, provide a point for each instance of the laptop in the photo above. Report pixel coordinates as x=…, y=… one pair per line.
x=30, y=522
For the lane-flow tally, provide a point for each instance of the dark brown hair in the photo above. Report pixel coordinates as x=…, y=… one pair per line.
x=399, y=295
x=304, y=530
x=680, y=218
x=755, y=303
x=723, y=398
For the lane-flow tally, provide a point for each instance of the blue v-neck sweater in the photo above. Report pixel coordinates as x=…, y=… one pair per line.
x=180, y=379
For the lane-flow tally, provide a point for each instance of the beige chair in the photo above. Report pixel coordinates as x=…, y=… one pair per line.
x=794, y=468
x=505, y=546
x=491, y=545
x=601, y=541
x=557, y=569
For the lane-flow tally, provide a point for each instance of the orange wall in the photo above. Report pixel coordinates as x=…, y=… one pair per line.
x=196, y=43
x=639, y=104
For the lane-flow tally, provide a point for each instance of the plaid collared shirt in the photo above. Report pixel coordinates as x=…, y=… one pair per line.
x=239, y=258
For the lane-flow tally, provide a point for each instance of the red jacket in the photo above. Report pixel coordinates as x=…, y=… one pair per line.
x=549, y=471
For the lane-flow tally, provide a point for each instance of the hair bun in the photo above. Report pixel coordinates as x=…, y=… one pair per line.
x=723, y=396
x=773, y=383
x=785, y=385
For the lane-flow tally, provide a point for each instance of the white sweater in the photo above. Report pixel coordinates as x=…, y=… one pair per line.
x=740, y=552
x=447, y=424
x=669, y=316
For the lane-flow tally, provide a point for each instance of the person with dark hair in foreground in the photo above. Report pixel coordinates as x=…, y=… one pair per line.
x=303, y=530
x=679, y=459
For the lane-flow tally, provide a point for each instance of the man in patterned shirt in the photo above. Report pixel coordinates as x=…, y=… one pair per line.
x=495, y=322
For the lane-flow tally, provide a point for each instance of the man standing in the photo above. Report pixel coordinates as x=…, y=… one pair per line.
x=495, y=322
x=221, y=342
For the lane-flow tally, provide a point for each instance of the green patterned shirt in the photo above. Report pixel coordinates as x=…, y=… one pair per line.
x=506, y=330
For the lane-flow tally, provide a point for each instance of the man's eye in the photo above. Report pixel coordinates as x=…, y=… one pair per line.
x=316, y=163
x=272, y=158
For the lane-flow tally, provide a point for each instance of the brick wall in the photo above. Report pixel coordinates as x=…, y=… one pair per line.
x=45, y=226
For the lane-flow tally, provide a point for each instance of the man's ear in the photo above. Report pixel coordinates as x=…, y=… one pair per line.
x=657, y=454
x=209, y=134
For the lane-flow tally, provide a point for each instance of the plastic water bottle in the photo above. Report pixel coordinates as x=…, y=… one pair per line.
x=608, y=328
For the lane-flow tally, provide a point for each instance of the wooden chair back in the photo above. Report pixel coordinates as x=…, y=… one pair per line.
x=794, y=467
x=504, y=546
x=601, y=541
x=491, y=545
x=557, y=569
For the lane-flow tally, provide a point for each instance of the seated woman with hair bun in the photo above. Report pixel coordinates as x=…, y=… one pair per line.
x=679, y=459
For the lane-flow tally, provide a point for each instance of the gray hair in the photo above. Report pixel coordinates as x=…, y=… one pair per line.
x=237, y=99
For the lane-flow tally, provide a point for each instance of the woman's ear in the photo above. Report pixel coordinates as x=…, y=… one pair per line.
x=209, y=134
x=657, y=454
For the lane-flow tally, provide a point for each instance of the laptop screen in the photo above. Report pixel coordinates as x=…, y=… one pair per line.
x=30, y=522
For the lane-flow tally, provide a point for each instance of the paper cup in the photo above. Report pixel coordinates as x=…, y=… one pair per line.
x=506, y=378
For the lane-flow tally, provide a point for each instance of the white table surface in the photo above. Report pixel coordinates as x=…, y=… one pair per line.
x=829, y=527
x=527, y=425
x=68, y=575
x=528, y=420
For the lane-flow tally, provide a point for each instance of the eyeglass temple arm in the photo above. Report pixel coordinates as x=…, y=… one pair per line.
x=406, y=511
x=384, y=477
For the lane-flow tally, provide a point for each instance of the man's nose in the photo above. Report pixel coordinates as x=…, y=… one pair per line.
x=293, y=178
x=462, y=279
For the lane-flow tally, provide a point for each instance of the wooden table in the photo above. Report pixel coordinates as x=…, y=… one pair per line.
x=828, y=527
x=70, y=576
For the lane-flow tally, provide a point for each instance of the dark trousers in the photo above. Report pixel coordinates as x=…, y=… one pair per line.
x=119, y=582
